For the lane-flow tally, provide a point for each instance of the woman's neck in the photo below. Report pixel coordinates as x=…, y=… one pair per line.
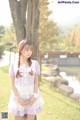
x=23, y=60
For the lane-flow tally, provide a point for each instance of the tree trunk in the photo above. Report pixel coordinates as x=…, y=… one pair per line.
x=25, y=15
x=32, y=24
x=35, y=24
x=18, y=12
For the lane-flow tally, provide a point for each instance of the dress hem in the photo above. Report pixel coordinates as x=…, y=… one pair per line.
x=22, y=113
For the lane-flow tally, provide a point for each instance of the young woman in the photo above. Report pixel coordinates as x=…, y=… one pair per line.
x=25, y=100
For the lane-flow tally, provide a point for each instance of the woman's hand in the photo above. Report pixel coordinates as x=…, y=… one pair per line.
x=21, y=102
x=32, y=100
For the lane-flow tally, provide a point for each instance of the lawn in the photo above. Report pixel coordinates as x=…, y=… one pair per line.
x=56, y=107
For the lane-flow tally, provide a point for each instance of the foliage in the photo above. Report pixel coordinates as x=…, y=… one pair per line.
x=48, y=30
x=1, y=50
x=9, y=38
x=1, y=31
x=1, y=43
x=72, y=41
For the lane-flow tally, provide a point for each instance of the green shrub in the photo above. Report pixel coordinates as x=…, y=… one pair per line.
x=1, y=50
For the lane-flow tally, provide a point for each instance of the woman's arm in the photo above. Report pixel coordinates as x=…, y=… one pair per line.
x=35, y=95
x=15, y=91
x=37, y=74
x=13, y=87
x=36, y=83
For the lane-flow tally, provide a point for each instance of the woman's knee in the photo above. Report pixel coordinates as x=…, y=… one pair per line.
x=18, y=118
x=30, y=117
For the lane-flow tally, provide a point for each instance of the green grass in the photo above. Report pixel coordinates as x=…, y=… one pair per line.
x=4, y=88
x=56, y=106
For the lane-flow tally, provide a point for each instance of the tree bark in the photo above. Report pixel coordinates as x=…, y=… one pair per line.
x=18, y=12
x=32, y=24
x=35, y=24
x=25, y=15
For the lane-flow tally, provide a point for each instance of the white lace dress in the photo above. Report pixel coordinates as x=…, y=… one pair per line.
x=25, y=87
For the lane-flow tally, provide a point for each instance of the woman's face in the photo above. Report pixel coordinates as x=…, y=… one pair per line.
x=27, y=51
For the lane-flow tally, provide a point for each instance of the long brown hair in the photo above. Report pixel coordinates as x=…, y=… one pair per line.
x=20, y=48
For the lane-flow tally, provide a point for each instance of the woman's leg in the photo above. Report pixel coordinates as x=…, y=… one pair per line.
x=19, y=118
x=25, y=117
x=30, y=117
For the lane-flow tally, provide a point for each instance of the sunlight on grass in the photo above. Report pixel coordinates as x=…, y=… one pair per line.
x=44, y=67
x=4, y=88
x=56, y=106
